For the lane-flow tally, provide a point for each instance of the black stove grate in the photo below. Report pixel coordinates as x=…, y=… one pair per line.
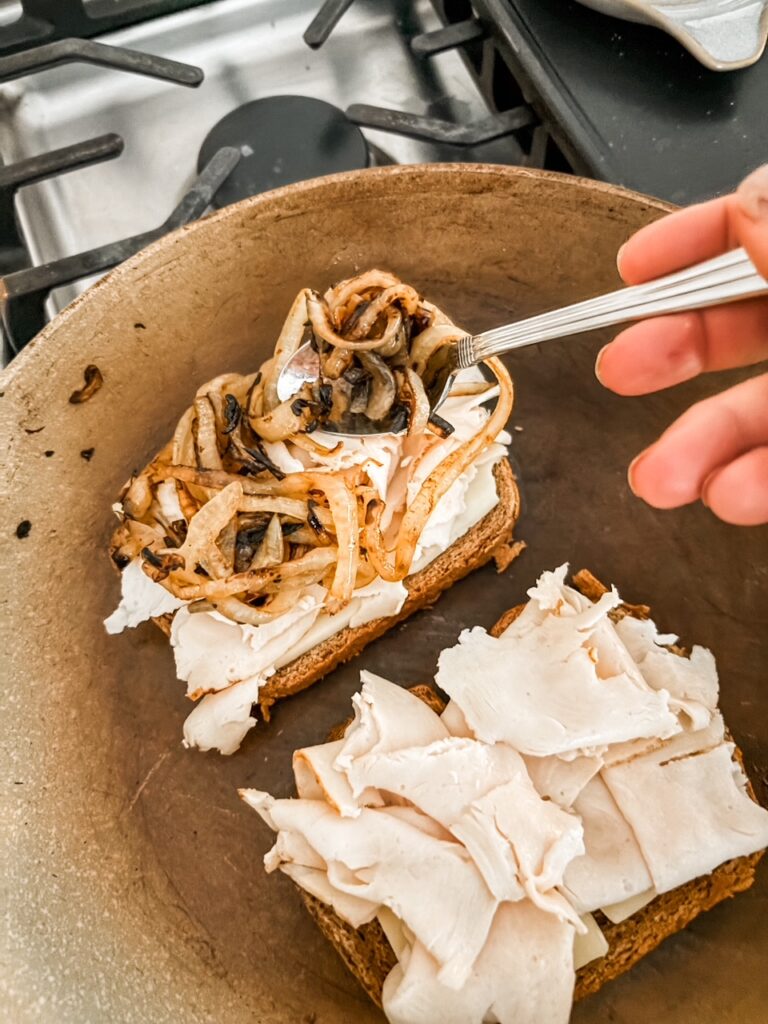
x=51, y=27
x=42, y=38
x=23, y=293
x=86, y=51
x=510, y=117
x=46, y=21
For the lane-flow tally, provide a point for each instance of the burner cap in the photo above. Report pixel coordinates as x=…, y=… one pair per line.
x=283, y=139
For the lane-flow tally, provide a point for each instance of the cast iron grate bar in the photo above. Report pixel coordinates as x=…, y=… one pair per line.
x=325, y=21
x=44, y=21
x=457, y=34
x=432, y=129
x=537, y=154
x=65, y=51
x=30, y=288
x=60, y=161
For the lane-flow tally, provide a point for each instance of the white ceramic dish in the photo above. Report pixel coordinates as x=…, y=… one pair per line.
x=722, y=34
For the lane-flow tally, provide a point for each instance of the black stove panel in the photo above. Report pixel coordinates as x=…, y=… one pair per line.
x=628, y=104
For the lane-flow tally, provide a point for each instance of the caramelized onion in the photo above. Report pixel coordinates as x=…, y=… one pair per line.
x=305, y=570
x=449, y=470
x=418, y=403
x=401, y=293
x=236, y=610
x=204, y=432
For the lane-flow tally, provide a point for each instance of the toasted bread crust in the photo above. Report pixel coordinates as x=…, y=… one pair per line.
x=369, y=956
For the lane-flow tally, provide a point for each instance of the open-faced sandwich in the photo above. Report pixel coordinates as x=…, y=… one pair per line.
x=269, y=551
x=576, y=801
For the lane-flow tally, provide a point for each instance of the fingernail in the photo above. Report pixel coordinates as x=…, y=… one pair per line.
x=618, y=256
x=597, y=364
x=631, y=471
x=752, y=194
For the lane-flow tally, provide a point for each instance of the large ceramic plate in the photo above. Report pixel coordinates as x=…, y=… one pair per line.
x=132, y=874
x=722, y=34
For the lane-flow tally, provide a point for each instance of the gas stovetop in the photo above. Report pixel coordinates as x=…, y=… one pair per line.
x=251, y=53
x=109, y=138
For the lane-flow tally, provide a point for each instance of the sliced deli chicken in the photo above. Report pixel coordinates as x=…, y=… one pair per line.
x=689, y=814
x=526, y=981
x=563, y=777
x=558, y=681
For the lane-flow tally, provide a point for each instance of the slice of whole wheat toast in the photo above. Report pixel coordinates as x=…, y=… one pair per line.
x=491, y=538
x=369, y=956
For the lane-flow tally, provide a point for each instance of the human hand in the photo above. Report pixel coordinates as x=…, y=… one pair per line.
x=717, y=451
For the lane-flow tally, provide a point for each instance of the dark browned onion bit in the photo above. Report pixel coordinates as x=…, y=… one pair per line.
x=352, y=321
x=246, y=447
x=248, y=540
x=315, y=524
x=246, y=544
x=263, y=462
x=178, y=532
x=400, y=417
x=440, y=426
x=232, y=413
x=93, y=381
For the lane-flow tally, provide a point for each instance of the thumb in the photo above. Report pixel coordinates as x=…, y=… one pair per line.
x=749, y=217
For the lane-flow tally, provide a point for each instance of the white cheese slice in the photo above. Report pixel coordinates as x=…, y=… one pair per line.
x=618, y=912
x=612, y=869
x=590, y=944
x=689, y=815
x=168, y=500
x=524, y=975
x=465, y=503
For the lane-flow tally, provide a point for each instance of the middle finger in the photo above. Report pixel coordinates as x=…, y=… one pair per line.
x=667, y=350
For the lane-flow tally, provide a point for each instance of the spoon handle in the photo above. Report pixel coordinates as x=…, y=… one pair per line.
x=723, y=279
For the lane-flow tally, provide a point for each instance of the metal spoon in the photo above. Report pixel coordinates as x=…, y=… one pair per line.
x=725, y=278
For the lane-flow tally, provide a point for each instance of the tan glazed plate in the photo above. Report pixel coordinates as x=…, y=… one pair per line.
x=133, y=887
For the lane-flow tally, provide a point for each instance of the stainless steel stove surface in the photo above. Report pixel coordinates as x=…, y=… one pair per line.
x=248, y=49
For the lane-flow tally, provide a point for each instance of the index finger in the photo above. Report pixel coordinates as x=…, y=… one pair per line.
x=676, y=241
x=701, y=232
